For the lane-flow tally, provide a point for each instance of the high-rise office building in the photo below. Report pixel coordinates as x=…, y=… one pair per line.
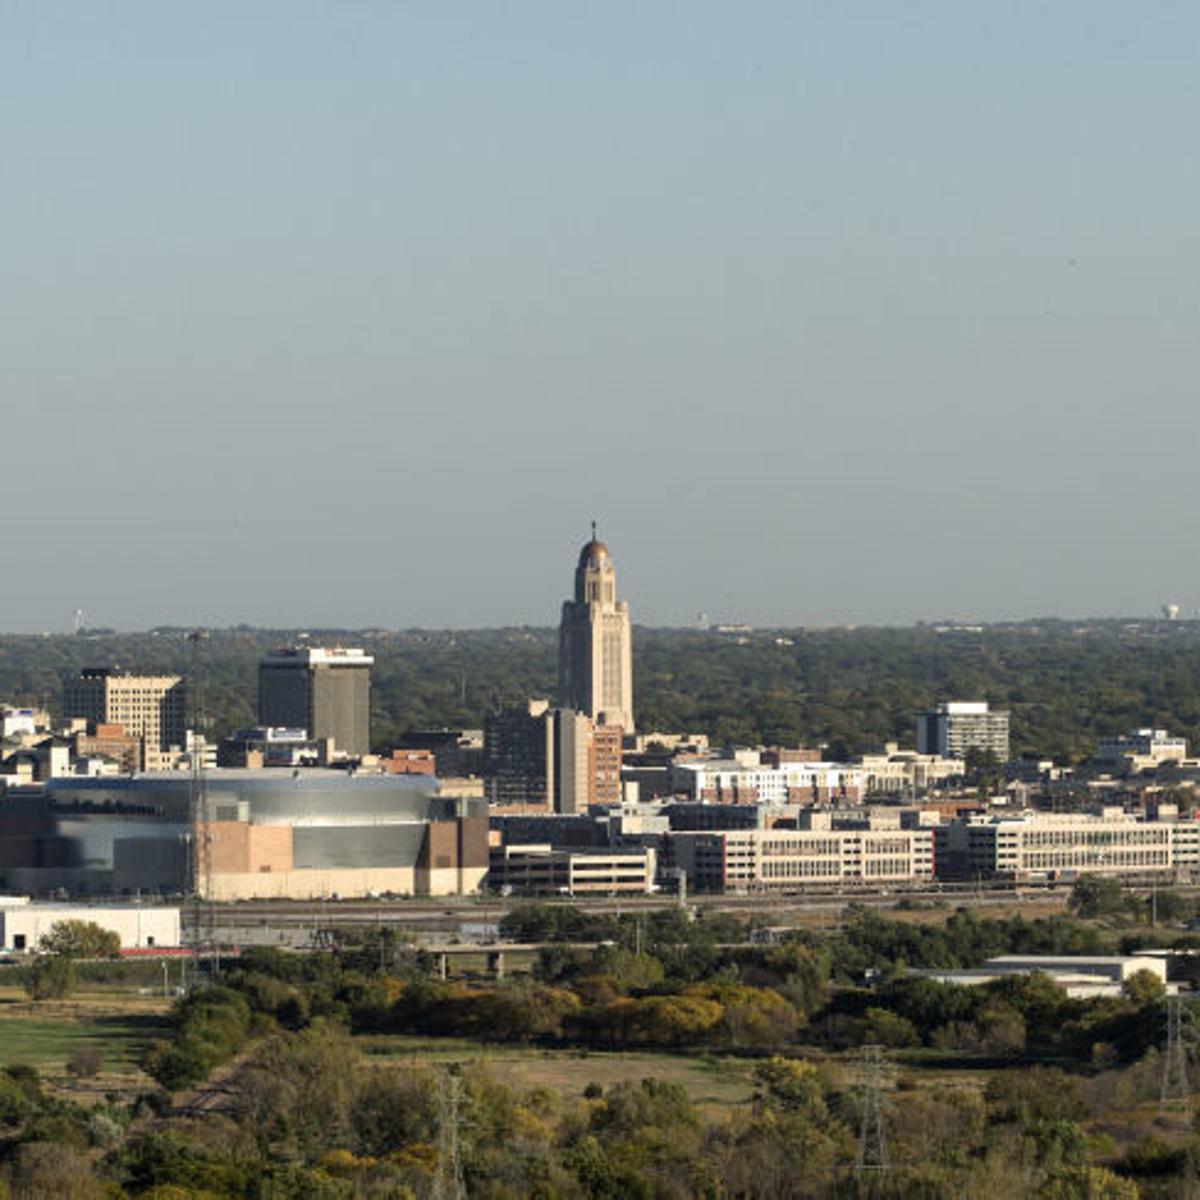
x=554, y=758
x=518, y=753
x=595, y=656
x=152, y=708
x=953, y=728
x=326, y=691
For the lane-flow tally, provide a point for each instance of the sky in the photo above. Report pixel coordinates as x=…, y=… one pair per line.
x=357, y=314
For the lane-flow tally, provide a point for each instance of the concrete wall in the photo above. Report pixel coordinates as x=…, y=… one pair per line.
x=317, y=884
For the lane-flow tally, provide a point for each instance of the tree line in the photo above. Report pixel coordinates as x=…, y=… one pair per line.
x=1066, y=684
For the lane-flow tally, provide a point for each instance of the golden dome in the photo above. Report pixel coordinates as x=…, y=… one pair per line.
x=594, y=554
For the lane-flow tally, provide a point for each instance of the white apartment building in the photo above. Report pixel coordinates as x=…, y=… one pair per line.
x=728, y=781
x=952, y=729
x=790, y=859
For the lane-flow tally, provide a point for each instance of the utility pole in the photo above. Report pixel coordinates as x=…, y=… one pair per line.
x=1174, y=1089
x=872, y=1162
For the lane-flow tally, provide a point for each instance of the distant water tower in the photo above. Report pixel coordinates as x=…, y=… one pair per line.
x=702, y=620
x=1170, y=612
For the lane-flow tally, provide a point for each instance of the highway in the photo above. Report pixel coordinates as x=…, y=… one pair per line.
x=297, y=922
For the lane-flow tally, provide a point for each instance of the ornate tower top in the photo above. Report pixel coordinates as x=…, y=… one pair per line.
x=595, y=656
x=595, y=579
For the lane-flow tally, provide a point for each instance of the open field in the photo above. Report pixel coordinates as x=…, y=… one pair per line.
x=715, y=1083
x=114, y=1020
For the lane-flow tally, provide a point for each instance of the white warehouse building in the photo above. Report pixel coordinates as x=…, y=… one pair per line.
x=24, y=925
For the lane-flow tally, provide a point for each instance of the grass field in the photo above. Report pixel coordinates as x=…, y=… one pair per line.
x=117, y=1020
x=50, y=1043
x=715, y=1083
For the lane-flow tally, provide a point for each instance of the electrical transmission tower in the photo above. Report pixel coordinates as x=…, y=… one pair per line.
x=872, y=1159
x=448, y=1182
x=1175, y=1089
x=203, y=914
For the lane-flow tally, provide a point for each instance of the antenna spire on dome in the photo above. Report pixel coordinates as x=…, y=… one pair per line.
x=593, y=529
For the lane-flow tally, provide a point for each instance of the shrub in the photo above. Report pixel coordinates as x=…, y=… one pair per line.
x=49, y=977
x=85, y=1062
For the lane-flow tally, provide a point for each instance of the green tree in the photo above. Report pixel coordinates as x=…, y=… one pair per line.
x=80, y=939
x=790, y=1085
x=49, y=977
x=1144, y=987
x=1095, y=896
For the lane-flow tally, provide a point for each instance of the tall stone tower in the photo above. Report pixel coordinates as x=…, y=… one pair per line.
x=595, y=657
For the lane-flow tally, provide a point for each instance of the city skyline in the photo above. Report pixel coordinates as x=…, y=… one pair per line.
x=830, y=315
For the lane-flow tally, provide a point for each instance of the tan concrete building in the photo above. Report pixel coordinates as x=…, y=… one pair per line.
x=595, y=651
x=150, y=707
x=1038, y=845
x=897, y=772
x=783, y=859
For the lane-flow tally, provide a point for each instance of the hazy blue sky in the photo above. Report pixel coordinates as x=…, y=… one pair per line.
x=358, y=313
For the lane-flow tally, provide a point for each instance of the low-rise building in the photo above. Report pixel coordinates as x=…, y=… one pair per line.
x=18, y=722
x=24, y=925
x=409, y=762
x=543, y=870
x=896, y=772
x=1155, y=745
x=458, y=752
x=791, y=859
x=112, y=742
x=1082, y=977
x=271, y=746
x=745, y=780
x=1031, y=845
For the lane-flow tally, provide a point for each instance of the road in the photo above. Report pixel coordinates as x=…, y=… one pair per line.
x=297, y=922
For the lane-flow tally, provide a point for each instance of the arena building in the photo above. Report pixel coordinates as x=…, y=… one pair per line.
x=296, y=834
